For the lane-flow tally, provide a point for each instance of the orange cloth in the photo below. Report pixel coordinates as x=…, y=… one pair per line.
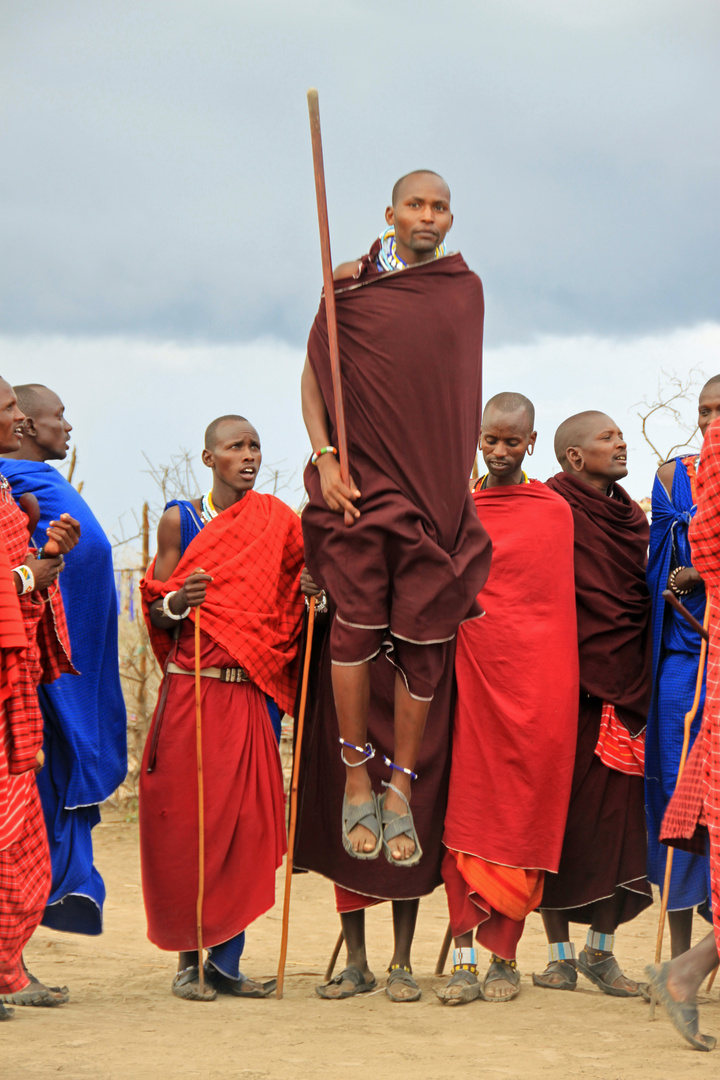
x=511, y=890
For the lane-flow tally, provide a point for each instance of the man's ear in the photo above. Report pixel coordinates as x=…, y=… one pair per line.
x=207, y=458
x=531, y=443
x=28, y=427
x=575, y=457
x=390, y=215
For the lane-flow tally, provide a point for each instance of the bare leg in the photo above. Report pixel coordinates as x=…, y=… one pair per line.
x=404, y=919
x=187, y=959
x=557, y=929
x=410, y=717
x=351, y=689
x=687, y=971
x=680, y=923
x=353, y=924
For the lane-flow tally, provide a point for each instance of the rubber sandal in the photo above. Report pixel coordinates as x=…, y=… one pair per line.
x=33, y=994
x=604, y=975
x=501, y=970
x=349, y=974
x=366, y=814
x=403, y=975
x=557, y=967
x=60, y=993
x=462, y=987
x=186, y=985
x=223, y=984
x=398, y=825
x=683, y=1014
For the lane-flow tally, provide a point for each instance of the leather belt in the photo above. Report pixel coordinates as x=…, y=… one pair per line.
x=224, y=674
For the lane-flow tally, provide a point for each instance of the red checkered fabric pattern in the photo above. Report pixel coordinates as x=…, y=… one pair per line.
x=697, y=797
x=254, y=607
x=24, y=888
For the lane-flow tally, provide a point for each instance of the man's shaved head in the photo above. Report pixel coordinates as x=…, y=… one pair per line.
x=510, y=403
x=576, y=431
x=711, y=383
x=30, y=397
x=211, y=432
x=399, y=187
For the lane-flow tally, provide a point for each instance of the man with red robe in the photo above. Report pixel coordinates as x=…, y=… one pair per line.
x=515, y=721
x=403, y=576
x=35, y=647
x=239, y=554
x=602, y=879
x=692, y=820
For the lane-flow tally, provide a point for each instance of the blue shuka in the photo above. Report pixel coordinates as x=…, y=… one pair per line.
x=676, y=654
x=85, y=722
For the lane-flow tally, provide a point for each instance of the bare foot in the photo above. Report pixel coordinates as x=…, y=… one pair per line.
x=403, y=846
x=502, y=981
x=358, y=790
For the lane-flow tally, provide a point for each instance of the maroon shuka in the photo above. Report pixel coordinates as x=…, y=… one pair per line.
x=411, y=355
x=605, y=843
x=318, y=843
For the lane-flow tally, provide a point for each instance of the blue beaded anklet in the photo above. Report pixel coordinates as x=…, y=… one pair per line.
x=368, y=752
x=399, y=768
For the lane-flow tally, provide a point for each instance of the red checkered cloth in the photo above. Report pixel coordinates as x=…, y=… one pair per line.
x=254, y=607
x=696, y=802
x=616, y=747
x=25, y=877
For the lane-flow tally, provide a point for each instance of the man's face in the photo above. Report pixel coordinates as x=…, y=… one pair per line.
x=10, y=419
x=504, y=441
x=708, y=406
x=48, y=426
x=236, y=456
x=603, y=451
x=421, y=216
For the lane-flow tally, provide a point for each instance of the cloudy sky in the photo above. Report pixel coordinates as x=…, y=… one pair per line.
x=160, y=256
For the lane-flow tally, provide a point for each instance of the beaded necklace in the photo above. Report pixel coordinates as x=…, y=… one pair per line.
x=208, y=511
x=388, y=258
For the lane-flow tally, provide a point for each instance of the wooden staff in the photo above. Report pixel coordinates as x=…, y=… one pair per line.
x=329, y=288
x=689, y=717
x=293, y=798
x=444, y=950
x=333, y=958
x=201, y=805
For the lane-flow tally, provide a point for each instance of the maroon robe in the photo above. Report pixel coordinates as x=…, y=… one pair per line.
x=411, y=357
x=605, y=843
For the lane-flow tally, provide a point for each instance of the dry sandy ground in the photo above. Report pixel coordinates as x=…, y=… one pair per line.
x=122, y=1021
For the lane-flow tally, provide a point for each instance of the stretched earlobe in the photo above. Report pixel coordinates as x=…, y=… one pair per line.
x=530, y=450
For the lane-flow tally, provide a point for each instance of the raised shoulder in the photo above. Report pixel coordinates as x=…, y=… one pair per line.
x=666, y=475
x=346, y=269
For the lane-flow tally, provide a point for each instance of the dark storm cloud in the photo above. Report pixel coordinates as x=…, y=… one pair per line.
x=156, y=174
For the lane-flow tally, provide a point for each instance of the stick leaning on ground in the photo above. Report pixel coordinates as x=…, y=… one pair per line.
x=201, y=807
x=293, y=799
x=689, y=717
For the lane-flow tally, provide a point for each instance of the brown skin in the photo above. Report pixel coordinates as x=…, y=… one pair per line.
x=46, y=433
x=688, y=970
x=599, y=457
x=63, y=534
x=505, y=439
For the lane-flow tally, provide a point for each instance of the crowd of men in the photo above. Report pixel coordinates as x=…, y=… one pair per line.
x=497, y=685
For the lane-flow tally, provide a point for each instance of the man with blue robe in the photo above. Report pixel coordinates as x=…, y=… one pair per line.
x=676, y=654
x=84, y=717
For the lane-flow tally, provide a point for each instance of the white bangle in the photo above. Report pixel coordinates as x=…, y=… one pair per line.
x=171, y=614
x=27, y=578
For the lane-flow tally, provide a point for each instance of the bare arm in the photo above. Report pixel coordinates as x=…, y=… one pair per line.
x=338, y=496
x=688, y=578
x=194, y=588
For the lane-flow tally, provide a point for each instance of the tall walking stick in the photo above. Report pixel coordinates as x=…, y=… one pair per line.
x=293, y=799
x=444, y=950
x=329, y=288
x=201, y=806
x=689, y=717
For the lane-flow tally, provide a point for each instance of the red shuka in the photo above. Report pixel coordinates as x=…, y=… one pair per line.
x=695, y=806
x=517, y=687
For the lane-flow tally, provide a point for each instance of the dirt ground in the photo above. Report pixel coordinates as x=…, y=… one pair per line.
x=122, y=1021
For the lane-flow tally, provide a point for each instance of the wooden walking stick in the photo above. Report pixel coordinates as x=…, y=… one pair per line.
x=329, y=288
x=444, y=950
x=201, y=805
x=293, y=799
x=333, y=958
x=689, y=717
